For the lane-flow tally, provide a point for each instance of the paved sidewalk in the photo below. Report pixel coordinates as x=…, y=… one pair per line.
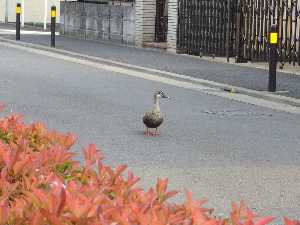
x=241, y=75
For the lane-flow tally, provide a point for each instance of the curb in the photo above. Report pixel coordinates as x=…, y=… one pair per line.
x=254, y=65
x=221, y=86
x=148, y=47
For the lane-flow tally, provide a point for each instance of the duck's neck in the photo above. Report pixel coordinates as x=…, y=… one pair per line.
x=156, y=103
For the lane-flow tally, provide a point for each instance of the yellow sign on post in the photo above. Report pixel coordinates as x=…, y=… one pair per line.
x=273, y=38
x=53, y=13
x=18, y=10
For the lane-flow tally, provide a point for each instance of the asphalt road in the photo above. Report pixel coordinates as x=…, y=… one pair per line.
x=252, y=78
x=219, y=149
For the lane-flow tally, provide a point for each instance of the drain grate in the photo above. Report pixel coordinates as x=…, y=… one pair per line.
x=235, y=112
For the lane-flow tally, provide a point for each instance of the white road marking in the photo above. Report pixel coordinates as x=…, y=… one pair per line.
x=170, y=81
x=7, y=31
x=260, y=94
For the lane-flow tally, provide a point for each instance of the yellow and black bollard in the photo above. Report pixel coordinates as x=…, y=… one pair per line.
x=273, y=57
x=18, y=21
x=53, y=23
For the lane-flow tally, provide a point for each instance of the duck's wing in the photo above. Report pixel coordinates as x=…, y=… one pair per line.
x=152, y=119
x=146, y=117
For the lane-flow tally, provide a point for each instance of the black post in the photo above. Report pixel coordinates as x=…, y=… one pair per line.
x=53, y=22
x=273, y=57
x=238, y=33
x=228, y=30
x=18, y=21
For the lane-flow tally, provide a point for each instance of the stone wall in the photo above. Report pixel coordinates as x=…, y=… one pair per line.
x=145, y=21
x=172, y=25
x=98, y=21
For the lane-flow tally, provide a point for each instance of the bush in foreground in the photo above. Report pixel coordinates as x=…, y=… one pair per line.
x=42, y=184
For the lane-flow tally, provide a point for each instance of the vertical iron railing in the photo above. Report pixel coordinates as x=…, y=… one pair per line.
x=239, y=28
x=203, y=27
x=161, y=21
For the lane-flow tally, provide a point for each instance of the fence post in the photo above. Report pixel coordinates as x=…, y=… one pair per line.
x=6, y=11
x=228, y=30
x=273, y=58
x=239, y=34
x=53, y=23
x=18, y=21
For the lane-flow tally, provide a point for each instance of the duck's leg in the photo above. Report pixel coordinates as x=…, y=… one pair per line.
x=152, y=133
x=156, y=132
x=147, y=133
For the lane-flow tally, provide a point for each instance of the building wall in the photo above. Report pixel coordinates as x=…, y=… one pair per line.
x=34, y=10
x=98, y=22
x=172, y=25
x=145, y=21
x=127, y=24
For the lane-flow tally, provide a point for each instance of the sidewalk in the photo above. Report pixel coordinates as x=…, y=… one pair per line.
x=217, y=70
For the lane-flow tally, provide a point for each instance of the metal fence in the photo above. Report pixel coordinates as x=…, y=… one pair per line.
x=239, y=28
x=161, y=21
x=203, y=26
x=113, y=2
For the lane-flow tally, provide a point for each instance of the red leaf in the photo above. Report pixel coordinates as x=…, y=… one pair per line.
x=264, y=220
x=211, y=222
x=69, y=140
x=60, y=202
x=21, y=164
x=4, y=211
x=132, y=180
x=170, y=194
x=288, y=221
x=50, y=217
x=120, y=169
x=2, y=106
x=91, y=155
x=161, y=185
x=37, y=219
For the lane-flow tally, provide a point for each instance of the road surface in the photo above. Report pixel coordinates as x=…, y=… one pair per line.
x=218, y=148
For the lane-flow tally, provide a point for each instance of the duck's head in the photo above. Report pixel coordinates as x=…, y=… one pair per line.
x=161, y=94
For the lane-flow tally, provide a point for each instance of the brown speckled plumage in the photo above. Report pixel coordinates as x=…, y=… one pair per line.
x=154, y=118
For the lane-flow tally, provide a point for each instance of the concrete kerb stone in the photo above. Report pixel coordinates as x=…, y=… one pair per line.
x=211, y=84
x=262, y=66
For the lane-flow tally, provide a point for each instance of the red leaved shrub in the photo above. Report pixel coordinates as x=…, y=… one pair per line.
x=42, y=184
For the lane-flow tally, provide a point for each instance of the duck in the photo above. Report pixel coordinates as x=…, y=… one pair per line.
x=154, y=118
